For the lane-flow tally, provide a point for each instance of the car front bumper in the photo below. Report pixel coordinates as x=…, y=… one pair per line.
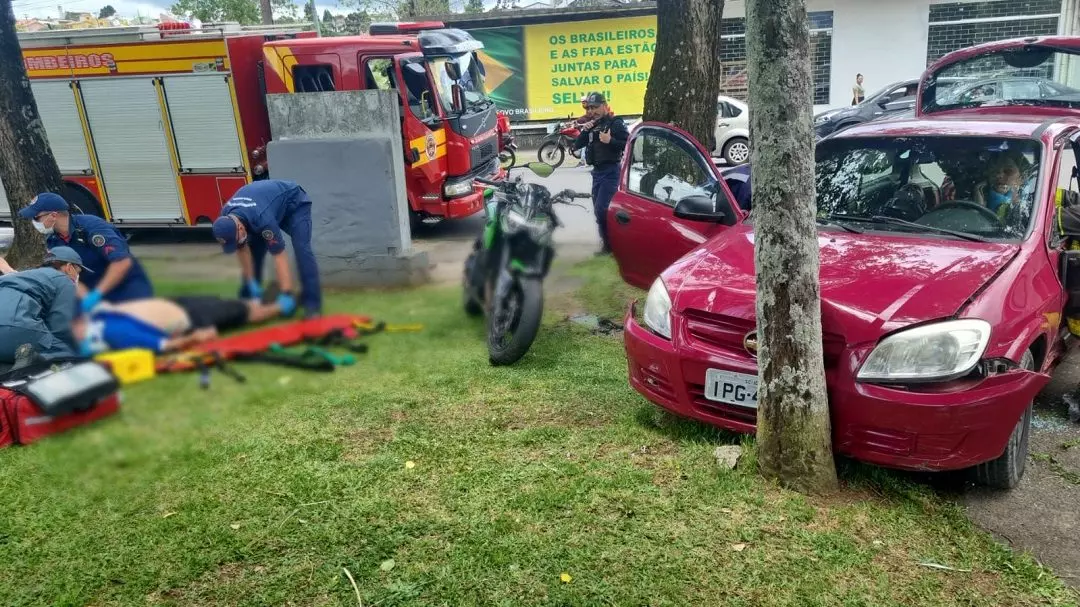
x=882, y=425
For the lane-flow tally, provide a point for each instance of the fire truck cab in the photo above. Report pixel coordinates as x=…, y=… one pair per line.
x=448, y=123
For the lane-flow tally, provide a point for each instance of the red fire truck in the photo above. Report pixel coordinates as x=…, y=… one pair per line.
x=156, y=127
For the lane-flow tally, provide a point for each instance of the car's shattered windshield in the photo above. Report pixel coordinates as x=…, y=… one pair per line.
x=1033, y=76
x=975, y=188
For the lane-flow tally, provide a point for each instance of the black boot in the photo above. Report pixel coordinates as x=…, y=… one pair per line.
x=25, y=355
x=1073, y=401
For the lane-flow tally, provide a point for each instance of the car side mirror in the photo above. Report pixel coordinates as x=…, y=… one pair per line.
x=703, y=208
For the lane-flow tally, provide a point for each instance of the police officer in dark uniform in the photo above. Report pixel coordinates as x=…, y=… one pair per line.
x=603, y=137
x=251, y=224
x=115, y=275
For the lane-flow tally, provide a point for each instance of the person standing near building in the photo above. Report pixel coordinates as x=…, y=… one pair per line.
x=115, y=275
x=858, y=93
x=603, y=138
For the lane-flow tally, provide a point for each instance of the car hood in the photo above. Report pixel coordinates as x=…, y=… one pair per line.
x=871, y=284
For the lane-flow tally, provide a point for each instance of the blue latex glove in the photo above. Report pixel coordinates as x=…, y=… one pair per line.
x=287, y=304
x=84, y=348
x=254, y=289
x=92, y=299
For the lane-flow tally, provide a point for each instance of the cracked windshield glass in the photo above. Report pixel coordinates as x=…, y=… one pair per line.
x=981, y=187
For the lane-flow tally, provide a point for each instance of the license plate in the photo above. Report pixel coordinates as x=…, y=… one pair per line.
x=731, y=388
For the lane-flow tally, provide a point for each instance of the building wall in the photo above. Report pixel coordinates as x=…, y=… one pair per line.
x=892, y=40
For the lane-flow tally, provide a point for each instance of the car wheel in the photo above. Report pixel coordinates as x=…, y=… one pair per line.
x=1006, y=471
x=737, y=151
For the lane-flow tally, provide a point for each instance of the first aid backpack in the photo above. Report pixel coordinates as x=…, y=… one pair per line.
x=51, y=397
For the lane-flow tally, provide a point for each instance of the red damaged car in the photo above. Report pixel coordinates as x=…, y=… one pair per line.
x=941, y=270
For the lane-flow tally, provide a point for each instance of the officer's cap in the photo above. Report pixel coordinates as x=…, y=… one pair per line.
x=45, y=202
x=64, y=255
x=225, y=233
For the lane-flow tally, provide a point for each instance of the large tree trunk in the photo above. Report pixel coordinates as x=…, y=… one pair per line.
x=685, y=76
x=266, y=11
x=27, y=166
x=793, y=428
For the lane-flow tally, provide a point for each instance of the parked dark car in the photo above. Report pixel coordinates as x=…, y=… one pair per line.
x=896, y=97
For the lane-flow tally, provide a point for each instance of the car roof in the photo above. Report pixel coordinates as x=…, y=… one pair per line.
x=973, y=125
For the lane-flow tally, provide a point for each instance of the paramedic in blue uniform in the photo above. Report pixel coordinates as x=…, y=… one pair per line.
x=115, y=274
x=251, y=224
x=37, y=307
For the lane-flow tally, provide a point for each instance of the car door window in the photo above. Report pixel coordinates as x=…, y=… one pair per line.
x=1020, y=89
x=665, y=168
x=733, y=110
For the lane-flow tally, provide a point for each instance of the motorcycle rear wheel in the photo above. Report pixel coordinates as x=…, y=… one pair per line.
x=553, y=149
x=525, y=311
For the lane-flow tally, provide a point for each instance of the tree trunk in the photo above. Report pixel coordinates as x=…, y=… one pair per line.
x=267, y=12
x=27, y=166
x=793, y=428
x=685, y=76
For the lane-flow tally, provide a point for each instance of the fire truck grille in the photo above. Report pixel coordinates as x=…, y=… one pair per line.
x=483, y=153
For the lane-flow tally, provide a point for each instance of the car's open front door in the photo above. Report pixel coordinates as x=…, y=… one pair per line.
x=671, y=198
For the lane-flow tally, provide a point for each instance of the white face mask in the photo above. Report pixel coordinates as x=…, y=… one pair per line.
x=40, y=227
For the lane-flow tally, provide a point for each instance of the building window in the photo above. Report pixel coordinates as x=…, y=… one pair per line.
x=957, y=25
x=733, y=56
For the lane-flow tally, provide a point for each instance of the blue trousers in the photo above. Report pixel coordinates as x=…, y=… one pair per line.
x=297, y=224
x=605, y=180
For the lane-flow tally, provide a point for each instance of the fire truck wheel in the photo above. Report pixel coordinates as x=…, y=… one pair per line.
x=81, y=200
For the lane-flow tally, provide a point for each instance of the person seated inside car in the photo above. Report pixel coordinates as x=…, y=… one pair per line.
x=167, y=325
x=1002, y=187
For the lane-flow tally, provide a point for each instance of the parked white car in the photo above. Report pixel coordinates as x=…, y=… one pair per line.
x=732, y=131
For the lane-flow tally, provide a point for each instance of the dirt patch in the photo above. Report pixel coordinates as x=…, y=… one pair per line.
x=1042, y=515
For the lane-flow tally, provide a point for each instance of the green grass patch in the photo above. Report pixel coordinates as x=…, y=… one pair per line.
x=263, y=493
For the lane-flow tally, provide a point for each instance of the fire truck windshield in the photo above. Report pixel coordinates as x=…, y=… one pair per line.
x=471, y=80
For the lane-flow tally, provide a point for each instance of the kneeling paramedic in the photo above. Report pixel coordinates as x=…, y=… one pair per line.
x=37, y=307
x=603, y=139
x=115, y=275
x=166, y=325
x=251, y=224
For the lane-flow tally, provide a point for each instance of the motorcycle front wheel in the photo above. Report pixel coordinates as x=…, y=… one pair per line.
x=552, y=153
x=511, y=331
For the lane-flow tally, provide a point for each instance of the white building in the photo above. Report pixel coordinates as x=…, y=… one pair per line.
x=893, y=40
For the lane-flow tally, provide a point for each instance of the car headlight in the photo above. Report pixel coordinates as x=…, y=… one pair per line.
x=658, y=309
x=822, y=119
x=937, y=352
x=453, y=189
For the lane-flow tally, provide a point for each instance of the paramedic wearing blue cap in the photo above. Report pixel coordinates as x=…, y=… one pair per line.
x=115, y=273
x=37, y=307
x=251, y=224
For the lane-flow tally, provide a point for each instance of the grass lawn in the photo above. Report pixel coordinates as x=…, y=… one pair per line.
x=435, y=479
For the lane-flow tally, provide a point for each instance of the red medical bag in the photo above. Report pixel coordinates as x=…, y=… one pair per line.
x=37, y=401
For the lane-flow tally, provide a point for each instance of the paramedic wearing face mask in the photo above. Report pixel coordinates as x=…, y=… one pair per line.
x=115, y=274
x=37, y=307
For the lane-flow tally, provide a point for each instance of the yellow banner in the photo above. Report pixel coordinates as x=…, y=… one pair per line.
x=566, y=61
